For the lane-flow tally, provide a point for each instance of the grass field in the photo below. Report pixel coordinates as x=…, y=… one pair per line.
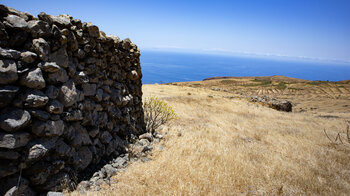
x=317, y=97
x=221, y=146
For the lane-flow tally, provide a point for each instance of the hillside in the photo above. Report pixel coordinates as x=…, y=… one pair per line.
x=229, y=146
x=316, y=97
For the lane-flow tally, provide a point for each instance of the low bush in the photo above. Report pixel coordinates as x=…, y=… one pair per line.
x=281, y=86
x=263, y=81
x=227, y=82
x=318, y=82
x=157, y=113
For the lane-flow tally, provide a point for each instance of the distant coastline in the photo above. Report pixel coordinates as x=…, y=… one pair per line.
x=214, y=52
x=165, y=67
x=267, y=77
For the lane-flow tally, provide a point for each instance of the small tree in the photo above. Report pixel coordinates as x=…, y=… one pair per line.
x=157, y=113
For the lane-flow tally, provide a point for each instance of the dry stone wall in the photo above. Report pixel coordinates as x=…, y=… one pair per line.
x=69, y=96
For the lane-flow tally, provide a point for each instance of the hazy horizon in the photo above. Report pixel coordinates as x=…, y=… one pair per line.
x=314, y=29
x=246, y=54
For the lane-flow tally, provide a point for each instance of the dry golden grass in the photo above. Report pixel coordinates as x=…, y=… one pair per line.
x=316, y=97
x=220, y=146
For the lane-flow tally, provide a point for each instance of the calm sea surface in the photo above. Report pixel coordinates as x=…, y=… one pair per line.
x=163, y=67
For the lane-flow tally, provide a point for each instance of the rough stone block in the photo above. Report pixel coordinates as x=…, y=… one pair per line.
x=15, y=140
x=8, y=71
x=12, y=119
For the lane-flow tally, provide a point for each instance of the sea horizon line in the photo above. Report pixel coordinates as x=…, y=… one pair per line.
x=245, y=54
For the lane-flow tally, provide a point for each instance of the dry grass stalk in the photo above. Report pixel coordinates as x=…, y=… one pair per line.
x=338, y=137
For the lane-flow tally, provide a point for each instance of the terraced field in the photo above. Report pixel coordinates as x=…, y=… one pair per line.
x=326, y=99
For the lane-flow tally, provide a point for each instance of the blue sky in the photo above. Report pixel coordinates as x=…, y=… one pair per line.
x=300, y=28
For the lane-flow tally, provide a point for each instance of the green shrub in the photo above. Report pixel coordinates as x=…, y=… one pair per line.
x=266, y=82
x=157, y=113
x=281, y=86
x=195, y=85
x=262, y=81
x=318, y=82
x=227, y=81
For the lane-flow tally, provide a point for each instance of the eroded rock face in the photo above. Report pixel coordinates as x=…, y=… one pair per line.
x=42, y=48
x=33, y=79
x=28, y=57
x=81, y=136
x=48, y=128
x=60, y=57
x=12, y=119
x=51, y=193
x=57, y=77
x=9, y=186
x=7, y=94
x=93, y=30
x=9, y=155
x=61, y=20
x=63, y=149
x=9, y=53
x=52, y=92
x=18, y=38
x=85, y=156
x=106, y=137
x=3, y=34
x=36, y=152
x=8, y=71
x=16, y=21
x=133, y=75
x=39, y=114
x=50, y=67
x=54, y=107
x=68, y=94
x=89, y=89
x=40, y=172
x=75, y=115
x=34, y=99
x=14, y=140
x=56, y=182
x=7, y=169
x=39, y=28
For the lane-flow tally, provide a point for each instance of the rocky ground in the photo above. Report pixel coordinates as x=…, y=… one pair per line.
x=139, y=149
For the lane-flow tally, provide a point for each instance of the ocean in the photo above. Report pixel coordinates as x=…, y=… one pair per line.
x=164, y=67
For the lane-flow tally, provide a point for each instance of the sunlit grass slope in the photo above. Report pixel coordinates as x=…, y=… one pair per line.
x=221, y=146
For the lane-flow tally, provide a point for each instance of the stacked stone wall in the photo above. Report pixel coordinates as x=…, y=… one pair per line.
x=69, y=97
